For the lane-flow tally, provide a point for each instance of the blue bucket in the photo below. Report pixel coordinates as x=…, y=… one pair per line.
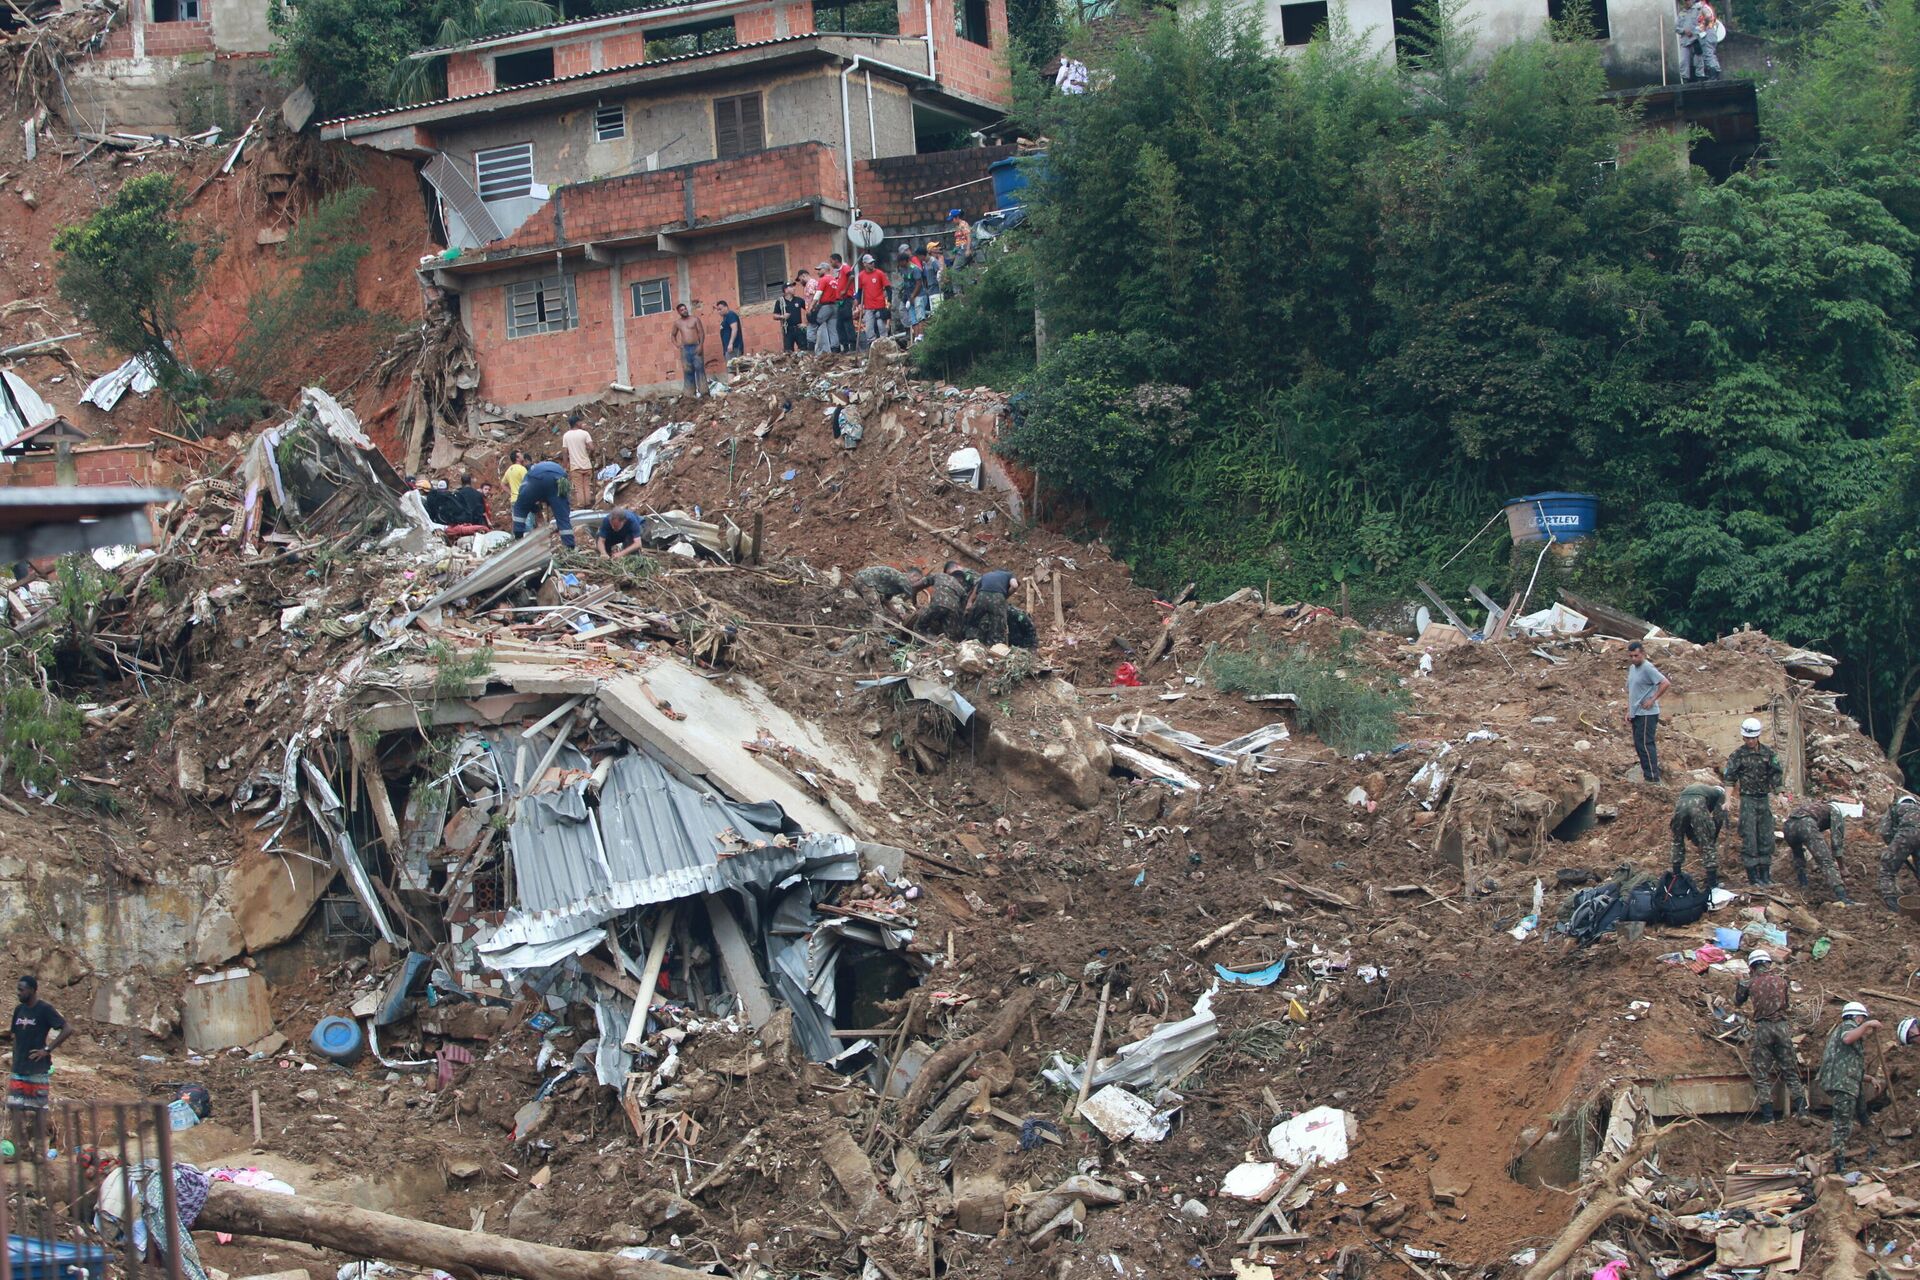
x=339, y=1039
x=1555, y=517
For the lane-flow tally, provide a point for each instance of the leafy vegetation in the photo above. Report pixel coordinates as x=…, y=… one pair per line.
x=1473, y=280
x=1349, y=705
x=354, y=54
x=454, y=670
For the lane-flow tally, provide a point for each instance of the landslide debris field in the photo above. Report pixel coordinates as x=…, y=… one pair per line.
x=849, y=1070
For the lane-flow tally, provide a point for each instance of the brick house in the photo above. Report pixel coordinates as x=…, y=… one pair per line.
x=596, y=172
x=173, y=66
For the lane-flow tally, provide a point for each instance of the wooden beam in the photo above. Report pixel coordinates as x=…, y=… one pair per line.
x=737, y=962
x=650, y=978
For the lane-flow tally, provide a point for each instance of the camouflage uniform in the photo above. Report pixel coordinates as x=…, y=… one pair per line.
x=942, y=614
x=989, y=618
x=1772, y=1040
x=1805, y=830
x=1700, y=812
x=1021, y=633
x=1756, y=771
x=1900, y=831
x=1843, y=1068
x=880, y=584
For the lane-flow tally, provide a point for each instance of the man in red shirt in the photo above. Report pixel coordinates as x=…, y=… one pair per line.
x=826, y=313
x=873, y=301
x=848, y=289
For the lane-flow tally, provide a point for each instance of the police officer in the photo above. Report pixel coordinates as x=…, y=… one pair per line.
x=1756, y=770
x=1699, y=814
x=1806, y=829
x=1900, y=831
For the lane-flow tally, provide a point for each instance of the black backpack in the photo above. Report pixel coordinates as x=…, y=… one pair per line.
x=1679, y=900
x=1594, y=912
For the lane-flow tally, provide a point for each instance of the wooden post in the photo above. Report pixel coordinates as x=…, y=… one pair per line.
x=1093, y=1051
x=650, y=978
x=759, y=535
x=1059, y=617
x=736, y=961
x=258, y=1140
x=378, y=798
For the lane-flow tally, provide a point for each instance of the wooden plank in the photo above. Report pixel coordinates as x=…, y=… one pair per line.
x=737, y=962
x=594, y=965
x=378, y=798
x=1506, y=616
x=1606, y=619
x=650, y=977
x=1443, y=607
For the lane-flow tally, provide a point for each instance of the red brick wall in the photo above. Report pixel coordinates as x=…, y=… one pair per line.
x=468, y=73
x=169, y=39
x=119, y=41
x=754, y=24
x=886, y=187
x=125, y=464
x=968, y=67
x=623, y=50
x=572, y=59
x=544, y=366
x=799, y=17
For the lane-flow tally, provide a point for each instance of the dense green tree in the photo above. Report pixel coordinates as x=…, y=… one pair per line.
x=345, y=51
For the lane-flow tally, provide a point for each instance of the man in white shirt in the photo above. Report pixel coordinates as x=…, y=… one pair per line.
x=1072, y=76
x=577, y=443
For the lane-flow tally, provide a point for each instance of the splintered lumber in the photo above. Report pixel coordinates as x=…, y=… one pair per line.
x=362, y=1233
x=1318, y=895
x=995, y=1035
x=1606, y=1201
x=1444, y=608
x=959, y=544
x=1607, y=620
x=736, y=960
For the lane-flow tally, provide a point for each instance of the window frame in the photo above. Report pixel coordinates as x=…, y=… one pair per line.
x=542, y=285
x=666, y=296
x=601, y=120
x=1326, y=16
x=700, y=31
x=180, y=12
x=553, y=66
x=964, y=14
x=1602, y=20
x=721, y=152
x=764, y=289
x=480, y=179
x=839, y=26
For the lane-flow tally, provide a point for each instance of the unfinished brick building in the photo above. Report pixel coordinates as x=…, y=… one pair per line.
x=595, y=173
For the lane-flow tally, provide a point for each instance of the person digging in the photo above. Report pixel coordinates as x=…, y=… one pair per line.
x=1772, y=1036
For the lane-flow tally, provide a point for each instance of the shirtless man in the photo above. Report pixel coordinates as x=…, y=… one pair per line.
x=690, y=331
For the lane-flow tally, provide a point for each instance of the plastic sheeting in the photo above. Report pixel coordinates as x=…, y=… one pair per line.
x=105, y=391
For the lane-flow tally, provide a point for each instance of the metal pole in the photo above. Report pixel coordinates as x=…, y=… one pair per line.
x=169, y=1193
x=127, y=1216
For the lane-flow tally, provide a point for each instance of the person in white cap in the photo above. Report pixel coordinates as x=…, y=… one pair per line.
x=1756, y=770
x=1899, y=830
x=1772, y=1035
x=1843, y=1070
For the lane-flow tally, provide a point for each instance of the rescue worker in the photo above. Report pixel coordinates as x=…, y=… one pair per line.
x=987, y=606
x=880, y=585
x=944, y=610
x=1021, y=633
x=1772, y=1036
x=1699, y=814
x=546, y=485
x=1756, y=770
x=1806, y=830
x=1843, y=1071
x=1899, y=830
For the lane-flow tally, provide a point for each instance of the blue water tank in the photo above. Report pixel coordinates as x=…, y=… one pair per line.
x=1556, y=517
x=1010, y=180
x=339, y=1039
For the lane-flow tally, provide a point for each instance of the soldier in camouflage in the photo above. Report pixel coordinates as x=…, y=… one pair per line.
x=1772, y=1036
x=1900, y=831
x=945, y=610
x=1756, y=770
x=1843, y=1072
x=1699, y=814
x=1806, y=829
x=880, y=585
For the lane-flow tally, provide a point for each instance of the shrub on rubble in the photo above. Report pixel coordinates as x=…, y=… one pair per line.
x=1347, y=705
x=1094, y=417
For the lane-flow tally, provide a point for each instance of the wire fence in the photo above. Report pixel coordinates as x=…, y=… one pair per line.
x=79, y=1181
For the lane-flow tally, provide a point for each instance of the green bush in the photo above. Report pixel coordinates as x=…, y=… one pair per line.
x=1093, y=419
x=1347, y=704
x=983, y=334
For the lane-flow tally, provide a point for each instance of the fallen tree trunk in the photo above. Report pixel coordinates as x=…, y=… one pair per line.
x=362, y=1233
x=994, y=1035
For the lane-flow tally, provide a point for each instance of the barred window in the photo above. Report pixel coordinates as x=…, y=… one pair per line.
x=504, y=173
x=541, y=306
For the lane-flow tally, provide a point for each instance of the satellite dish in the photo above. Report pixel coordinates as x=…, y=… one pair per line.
x=865, y=234
x=1422, y=618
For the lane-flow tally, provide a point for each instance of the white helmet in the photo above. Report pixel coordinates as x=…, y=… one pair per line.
x=1853, y=1009
x=1758, y=956
x=1750, y=728
x=1908, y=1030
x=1906, y=800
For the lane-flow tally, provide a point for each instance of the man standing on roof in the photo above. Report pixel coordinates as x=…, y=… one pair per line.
x=1772, y=1036
x=545, y=485
x=690, y=335
x=1756, y=770
x=1843, y=1072
x=1899, y=830
x=577, y=441
x=1806, y=830
x=1645, y=684
x=1699, y=814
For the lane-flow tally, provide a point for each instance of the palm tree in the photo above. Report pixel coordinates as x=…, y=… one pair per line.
x=418, y=79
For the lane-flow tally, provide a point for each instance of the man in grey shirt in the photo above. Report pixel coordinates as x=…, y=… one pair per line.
x=1645, y=684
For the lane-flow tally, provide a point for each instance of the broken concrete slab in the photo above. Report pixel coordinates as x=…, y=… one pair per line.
x=271, y=896
x=133, y=999
x=855, y=1174
x=223, y=1010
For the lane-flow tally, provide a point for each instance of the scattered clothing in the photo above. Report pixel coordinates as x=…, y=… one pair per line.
x=190, y=1188
x=1071, y=77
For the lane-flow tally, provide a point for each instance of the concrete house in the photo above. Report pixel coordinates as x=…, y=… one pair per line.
x=594, y=173
x=168, y=64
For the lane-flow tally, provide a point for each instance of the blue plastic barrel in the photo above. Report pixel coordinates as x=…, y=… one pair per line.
x=1561, y=517
x=1009, y=182
x=339, y=1039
